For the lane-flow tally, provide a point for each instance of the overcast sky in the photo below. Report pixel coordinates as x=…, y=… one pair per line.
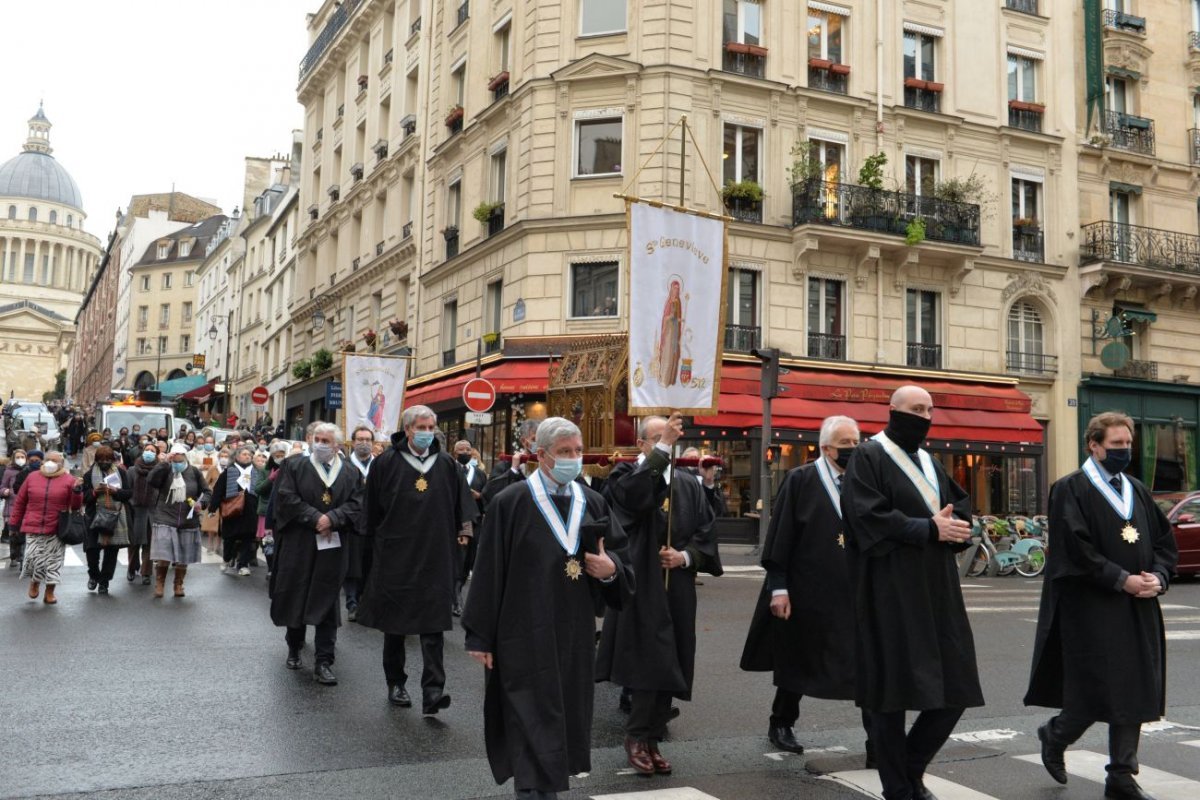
x=146, y=93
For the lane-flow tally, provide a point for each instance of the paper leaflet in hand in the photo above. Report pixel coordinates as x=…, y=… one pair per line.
x=334, y=540
x=113, y=480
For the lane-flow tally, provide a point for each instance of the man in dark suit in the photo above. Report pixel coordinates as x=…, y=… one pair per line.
x=476, y=482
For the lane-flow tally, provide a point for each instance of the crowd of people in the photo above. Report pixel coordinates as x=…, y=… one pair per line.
x=861, y=600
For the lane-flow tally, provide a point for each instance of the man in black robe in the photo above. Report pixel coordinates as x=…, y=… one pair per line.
x=707, y=476
x=316, y=505
x=476, y=482
x=650, y=646
x=418, y=511
x=503, y=476
x=905, y=520
x=1100, y=653
x=358, y=546
x=803, y=625
x=537, y=572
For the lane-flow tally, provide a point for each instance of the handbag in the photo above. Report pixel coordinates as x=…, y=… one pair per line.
x=232, y=507
x=105, y=520
x=72, y=526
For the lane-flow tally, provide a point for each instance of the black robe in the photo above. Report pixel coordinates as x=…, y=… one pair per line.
x=501, y=480
x=415, y=557
x=812, y=652
x=914, y=647
x=650, y=645
x=1100, y=653
x=305, y=582
x=540, y=626
x=358, y=546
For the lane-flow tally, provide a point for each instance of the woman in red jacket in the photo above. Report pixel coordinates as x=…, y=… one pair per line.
x=43, y=494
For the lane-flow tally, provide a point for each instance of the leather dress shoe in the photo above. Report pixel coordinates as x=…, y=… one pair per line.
x=92, y=583
x=293, y=659
x=1052, y=755
x=639, y=756
x=397, y=696
x=1125, y=788
x=674, y=714
x=431, y=708
x=920, y=792
x=323, y=675
x=661, y=765
x=783, y=738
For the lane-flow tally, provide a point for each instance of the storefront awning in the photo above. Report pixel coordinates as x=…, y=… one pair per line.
x=201, y=394
x=509, y=377
x=177, y=386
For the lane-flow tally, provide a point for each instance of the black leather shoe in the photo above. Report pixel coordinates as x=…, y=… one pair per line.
x=398, y=697
x=1125, y=788
x=103, y=588
x=293, y=659
x=92, y=585
x=437, y=705
x=920, y=792
x=352, y=613
x=323, y=675
x=1052, y=755
x=784, y=739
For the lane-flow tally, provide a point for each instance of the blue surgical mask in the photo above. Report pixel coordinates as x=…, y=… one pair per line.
x=209, y=447
x=474, y=462
x=148, y=457
x=566, y=470
x=422, y=439
x=179, y=466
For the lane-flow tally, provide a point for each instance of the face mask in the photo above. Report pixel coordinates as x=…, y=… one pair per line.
x=104, y=465
x=1116, y=459
x=278, y=458
x=50, y=467
x=95, y=444
x=362, y=450
x=178, y=466
x=907, y=430
x=843, y=456
x=464, y=458
x=533, y=448
x=20, y=462
x=474, y=462
x=323, y=452
x=422, y=439
x=224, y=462
x=148, y=457
x=208, y=448
x=35, y=464
x=566, y=470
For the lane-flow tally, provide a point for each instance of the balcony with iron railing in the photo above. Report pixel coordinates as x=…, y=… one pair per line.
x=406, y=231
x=333, y=26
x=742, y=338
x=495, y=222
x=1138, y=370
x=1028, y=243
x=745, y=59
x=1157, y=249
x=831, y=346
x=923, y=95
x=451, y=236
x=1026, y=116
x=1194, y=145
x=884, y=211
x=498, y=86
x=826, y=76
x=1030, y=363
x=1024, y=6
x=745, y=210
x=1120, y=21
x=1129, y=132
x=923, y=356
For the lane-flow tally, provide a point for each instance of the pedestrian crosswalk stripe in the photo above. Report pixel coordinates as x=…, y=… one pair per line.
x=1163, y=785
x=1183, y=635
x=73, y=559
x=680, y=793
x=1192, y=743
x=867, y=782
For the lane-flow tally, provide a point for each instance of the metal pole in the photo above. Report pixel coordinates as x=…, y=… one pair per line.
x=764, y=518
x=228, y=363
x=478, y=356
x=682, y=156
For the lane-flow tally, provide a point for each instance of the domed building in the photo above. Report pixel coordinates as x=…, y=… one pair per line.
x=46, y=263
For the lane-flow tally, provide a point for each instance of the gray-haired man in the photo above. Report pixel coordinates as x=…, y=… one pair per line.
x=515, y=473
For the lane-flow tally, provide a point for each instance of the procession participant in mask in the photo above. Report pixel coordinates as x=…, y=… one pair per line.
x=278, y=452
x=239, y=531
x=105, y=486
x=42, y=495
x=362, y=442
x=182, y=493
x=142, y=502
x=476, y=482
x=505, y=474
x=14, y=468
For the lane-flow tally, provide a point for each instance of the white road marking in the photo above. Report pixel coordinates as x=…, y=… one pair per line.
x=680, y=793
x=1192, y=743
x=1090, y=766
x=867, y=782
x=627, y=771
x=73, y=559
x=837, y=748
x=778, y=756
x=1183, y=636
x=1158, y=726
x=1173, y=607
x=995, y=735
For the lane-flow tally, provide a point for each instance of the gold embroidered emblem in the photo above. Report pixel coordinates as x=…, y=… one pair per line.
x=422, y=484
x=1130, y=533
x=639, y=376
x=574, y=569
x=841, y=540
x=327, y=498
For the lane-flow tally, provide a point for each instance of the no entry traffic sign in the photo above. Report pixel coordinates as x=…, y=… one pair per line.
x=259, y=395
x=479, y=395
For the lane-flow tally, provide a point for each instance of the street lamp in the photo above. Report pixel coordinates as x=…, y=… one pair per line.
x=212, y=336
x=318, y=319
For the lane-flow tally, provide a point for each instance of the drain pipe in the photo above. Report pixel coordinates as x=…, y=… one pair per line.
x=880, y=355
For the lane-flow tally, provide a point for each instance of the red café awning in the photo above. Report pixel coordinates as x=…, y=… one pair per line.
x=201, y=394
x=509, y=377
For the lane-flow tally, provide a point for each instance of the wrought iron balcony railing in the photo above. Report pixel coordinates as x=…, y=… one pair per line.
x=925, y=356
x=1193, y=40
x=1120, y=21
x=1024, y=6
x=883, y=211
x=451, y=244
x=825, y=80
x=406, y=231
x=742, y=338
x=1194, y=141
x=744, y=210
x=827, y=345
x=748, y=64
x=1141, y=246
x=1025, y=118
x=1028, y=244
x=923, y=99
x=1130, y=132
x=1031, y=363
x=495, y=222
x=337, y=20
x=1140, y=370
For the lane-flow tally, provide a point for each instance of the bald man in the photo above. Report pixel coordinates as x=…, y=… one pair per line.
x=905, y=521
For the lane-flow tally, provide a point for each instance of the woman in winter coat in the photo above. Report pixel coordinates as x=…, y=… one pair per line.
x=240, y=532
x=106, y=488
x=35, y=513
x=142, y=505
x=7, y=494
x=181, y=493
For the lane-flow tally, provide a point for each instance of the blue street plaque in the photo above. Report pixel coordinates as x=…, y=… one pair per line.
x=333, y=395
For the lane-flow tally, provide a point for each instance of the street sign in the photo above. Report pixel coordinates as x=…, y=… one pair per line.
x=479, y=418
x=259, y=395
x=198, y=360
x=479, y=395
x=333, y=395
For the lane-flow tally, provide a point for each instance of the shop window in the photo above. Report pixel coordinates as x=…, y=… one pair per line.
x=594, y=289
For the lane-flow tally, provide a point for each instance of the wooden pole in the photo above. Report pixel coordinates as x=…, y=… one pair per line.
x=682, y=157
x=670, y=513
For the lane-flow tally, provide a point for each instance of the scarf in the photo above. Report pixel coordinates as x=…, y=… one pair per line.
x=178, y=488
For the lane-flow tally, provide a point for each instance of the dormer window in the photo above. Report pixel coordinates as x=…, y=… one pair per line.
x=185, y=248
x=164, y=249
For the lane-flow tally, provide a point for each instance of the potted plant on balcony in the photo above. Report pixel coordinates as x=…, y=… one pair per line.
x=1024, y=223
x=914, y=233
x=804, y=176
x=302, y=369
x=951, y=222
x=743, y=196
x=454, y=115
x=450, y=232
x=363, y=80
x=484, y=211
x=490, y=339
x=322, y=360
x=871, y=211
x=399, y=328
x=370, y=337
x=498, y=81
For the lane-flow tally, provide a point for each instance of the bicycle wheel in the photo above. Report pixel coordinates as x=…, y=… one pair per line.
x=1034, y=563
x=979, y=563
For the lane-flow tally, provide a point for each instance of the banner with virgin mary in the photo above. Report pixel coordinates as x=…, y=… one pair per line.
x=676, y=314
x=373, y=393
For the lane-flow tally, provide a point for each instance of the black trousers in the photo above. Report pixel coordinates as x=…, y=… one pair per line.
x=1066, y=728
x=902, y=758
x=16, y=544
x=785, y=710
x=102, y=570
x=324, y=639
x=239, y=548
x=649, y=713
x=139, y=558
x=433, y=674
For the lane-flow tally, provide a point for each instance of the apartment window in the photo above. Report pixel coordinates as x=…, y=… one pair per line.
x=743, y=21
x=162, y=344
x=597, y=17
x=143, y=347
x=454, y=204
x=826, y=318
x=920, y=175
x=187, y=312
x=1025, y=201
x=145, y=283
x=185, y=343
x=493, y=307
x=598, y=146
x=164, y=249
x=499, y=175
x=831, y=156
x=166, y=280
x=164, y=315
x=919, y=51
x=921, y=315
x=185, y=249
x=143, y=317
x=1022, y=79
x=189, y=278
x=449, y=332
x=1025, y=339
x=825, y=36
x=1116, y=95
x=458, y=83
x=503, y=36
x=594, y=289
x=742, y=148
x=1120, y=207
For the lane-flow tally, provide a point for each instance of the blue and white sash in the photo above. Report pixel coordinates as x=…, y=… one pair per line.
x=831, y=488
x=566, y=531
x=1122, y=503
x=924, y=479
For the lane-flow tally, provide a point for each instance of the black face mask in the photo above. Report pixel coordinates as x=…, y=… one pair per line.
x=464, y=458
x=843, y=456
x=907, y=430
x=1116, y=459
x=104, y=465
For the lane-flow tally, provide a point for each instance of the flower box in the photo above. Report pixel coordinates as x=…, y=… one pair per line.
x=820, y=63
x=498, y=81
x=456, y=114
x=840, y=69
x=745, y=49
x=1021, y=105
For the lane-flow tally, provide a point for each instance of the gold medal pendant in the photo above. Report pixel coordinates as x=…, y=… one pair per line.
x=666, y=505
x=422, y=484
x=327, y=498
x=574, y=569
x=841, y=540
x=1130, y=533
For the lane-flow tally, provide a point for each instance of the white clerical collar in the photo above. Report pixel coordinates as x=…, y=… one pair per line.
x=641, y=459
x=421, y=455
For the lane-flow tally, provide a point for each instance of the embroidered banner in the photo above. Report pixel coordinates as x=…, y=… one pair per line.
x=373, y=393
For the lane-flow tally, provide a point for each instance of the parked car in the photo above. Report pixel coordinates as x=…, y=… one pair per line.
x=1185, y=522
x=33, y=431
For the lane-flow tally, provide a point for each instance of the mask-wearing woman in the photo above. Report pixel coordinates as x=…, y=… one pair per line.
x=210, y=522
x=106, y=489
x=278, y=453
x=142, y=503
x=89, y=452
x=42, y=495
x=182, y=493
x=15, y=464
x=239, y=532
